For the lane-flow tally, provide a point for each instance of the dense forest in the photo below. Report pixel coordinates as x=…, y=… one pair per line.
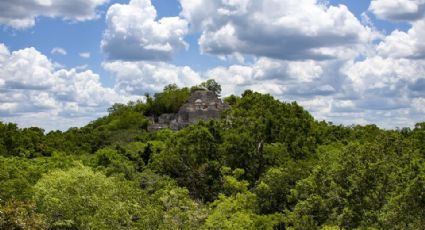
x=266, y=164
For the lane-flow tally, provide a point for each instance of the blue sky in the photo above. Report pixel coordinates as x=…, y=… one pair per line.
x=63, y=63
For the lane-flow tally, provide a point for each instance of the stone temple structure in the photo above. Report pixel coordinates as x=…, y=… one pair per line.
x=201, y=105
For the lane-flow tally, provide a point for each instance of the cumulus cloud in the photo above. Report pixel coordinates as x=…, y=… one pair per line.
x=133, y=33
x=383, y=91
x=319, y=55
x=289, y=30
x=386, y=86
x=314, y=53
x=4, y=52
x=22, y=14
x=34, y=91
x=58, y=51
x=266, y=75
x=398, y=10
x=140, y=77
x=400, y=44
x=383, y=73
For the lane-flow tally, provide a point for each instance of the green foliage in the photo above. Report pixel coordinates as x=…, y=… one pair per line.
x=265, y=164
x=274, y=188
x=18, y=175
x=405, y=207
x=27, y=142
x=128, y=120
x=238, y=212
x=349, y=187
x=20, y=215
x=231, y=100
x=239, y=209
x=179, y=211
x=256, y=120
x=191, y=158
x=113, y=163
x=83, y=199
x=211, y=85
x=232, y=182
x=168, y=101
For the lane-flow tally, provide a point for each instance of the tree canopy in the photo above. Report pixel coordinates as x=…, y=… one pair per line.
x=211, y=85
x=266, y=164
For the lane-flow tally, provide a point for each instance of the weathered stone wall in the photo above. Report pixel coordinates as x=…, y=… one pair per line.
x=166, y=118
x=201, y=105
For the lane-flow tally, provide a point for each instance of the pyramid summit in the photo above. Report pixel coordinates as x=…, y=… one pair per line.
x=201, y=105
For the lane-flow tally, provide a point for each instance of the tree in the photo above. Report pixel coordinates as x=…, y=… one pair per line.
x=257, y=120
x=112, y=162
x=273, y=188
x=178, y=210
x=82, y=199
x=168, y=101
x=238, y=210
x=212, y=85
x=191, y=158
x=266, y=164
x=349, y=186
x=20, y=215
x=405, y=206
x=18, y=175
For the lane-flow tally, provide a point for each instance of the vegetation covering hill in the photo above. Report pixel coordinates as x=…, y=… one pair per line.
x=266, y=164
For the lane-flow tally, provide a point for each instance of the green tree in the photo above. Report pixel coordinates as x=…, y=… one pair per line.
x=239, y=208
x=257, y=120
x=191, y=157
x=405, y=206
x=20, y=215
x=113, y=162
x=274, y=187
x=211, y=85
x=178, y=210
x=168, y=101
x=349, y=186
x=82, y=199
x=18, y=175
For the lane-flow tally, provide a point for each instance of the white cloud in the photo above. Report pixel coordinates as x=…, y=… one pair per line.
x=385, y=89
x=8, y=107
x=266, y=75
x=85, y=54
x=139, y=77
x=290, y=30
x=27, y=69
x=58, y=51
x=419, y=104
x=398, y=10
x=4, y=52
x=376, y=90
x=134, y=34
x=33, y=91
x=408, y=44
x=22, y=14
x=383, y=73
x=317, y=54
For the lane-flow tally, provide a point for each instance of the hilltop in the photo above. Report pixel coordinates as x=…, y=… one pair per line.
x=260, y=164
x=202, y=104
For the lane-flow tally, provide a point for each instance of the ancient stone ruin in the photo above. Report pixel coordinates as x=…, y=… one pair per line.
x=201, y=105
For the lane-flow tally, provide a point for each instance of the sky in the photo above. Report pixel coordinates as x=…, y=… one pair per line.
x=63, y=63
